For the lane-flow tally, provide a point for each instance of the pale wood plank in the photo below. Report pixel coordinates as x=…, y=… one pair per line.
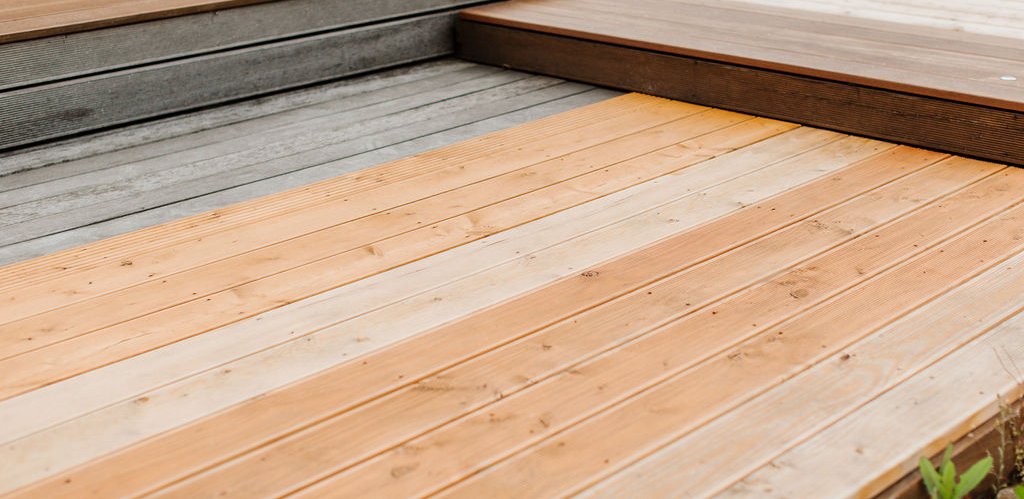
x=884, y=439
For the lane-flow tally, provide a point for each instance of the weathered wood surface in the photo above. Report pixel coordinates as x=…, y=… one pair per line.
x=99, y=186
x=949, y=91
x=638, y=296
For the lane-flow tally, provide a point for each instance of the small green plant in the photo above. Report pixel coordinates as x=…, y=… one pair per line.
x=942, y=483
x=1019, y=490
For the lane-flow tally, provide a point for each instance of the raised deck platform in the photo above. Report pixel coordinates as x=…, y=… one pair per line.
x=639, y=296
x=920, y=83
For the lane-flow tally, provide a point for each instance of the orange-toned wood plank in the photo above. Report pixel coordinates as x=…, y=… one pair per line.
x=411, y=360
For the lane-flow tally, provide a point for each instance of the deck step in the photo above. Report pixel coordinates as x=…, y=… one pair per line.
x=921, y=85
x=66, y=69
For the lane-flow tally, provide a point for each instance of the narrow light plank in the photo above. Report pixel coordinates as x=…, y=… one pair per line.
x=591, y=386
x=919, y=421
x=148, y=464
x=334, y=341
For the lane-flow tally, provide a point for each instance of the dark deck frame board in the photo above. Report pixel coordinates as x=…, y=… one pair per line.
x=947, y=125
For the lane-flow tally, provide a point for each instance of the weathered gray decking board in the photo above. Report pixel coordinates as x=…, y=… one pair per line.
x=68, y=107
x=116, y=182
x=37, y=61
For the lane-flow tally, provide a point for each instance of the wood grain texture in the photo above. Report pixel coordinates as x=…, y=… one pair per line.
x=638, y=296
x=983, y=128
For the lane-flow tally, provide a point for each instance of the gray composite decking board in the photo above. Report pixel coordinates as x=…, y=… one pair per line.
x=41, y=60
x=247, y=143
x=59, y=109
x=78, y=155
x=266, y=156
x=403, y=132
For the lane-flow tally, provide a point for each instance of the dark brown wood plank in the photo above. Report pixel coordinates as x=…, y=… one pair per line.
x=695, y=28
x=963, y=128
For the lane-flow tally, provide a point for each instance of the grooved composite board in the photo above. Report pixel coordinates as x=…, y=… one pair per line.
x=639, y=296
x=939, y=88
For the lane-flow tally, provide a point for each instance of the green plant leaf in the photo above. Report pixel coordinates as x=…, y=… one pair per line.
x=947, y=455
x=948, y=481
x=972, y=477
x=930, y=477
x=1019, y=490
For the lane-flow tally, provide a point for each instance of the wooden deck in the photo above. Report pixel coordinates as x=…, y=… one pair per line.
x=919, y=83
x=635, y=297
